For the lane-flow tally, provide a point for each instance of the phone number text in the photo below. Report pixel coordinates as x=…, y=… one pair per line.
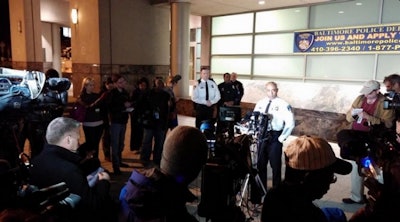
x=358, y=48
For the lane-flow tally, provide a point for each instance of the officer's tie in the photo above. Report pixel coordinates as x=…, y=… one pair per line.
x=269, y=104
x=206, y=91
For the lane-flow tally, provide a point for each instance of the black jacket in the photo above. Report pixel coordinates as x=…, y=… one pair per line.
x=56, y=164
x=153, y=108
x=116, y=106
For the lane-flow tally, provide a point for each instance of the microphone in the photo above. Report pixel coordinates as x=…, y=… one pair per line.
x=62, y=207
x=256, y=114
x=71, y=201
x=247, y=116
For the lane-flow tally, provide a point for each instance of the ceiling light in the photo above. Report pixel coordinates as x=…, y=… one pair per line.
x=261, y=2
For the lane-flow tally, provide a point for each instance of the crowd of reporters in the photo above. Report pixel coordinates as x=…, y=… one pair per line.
x=159, y=192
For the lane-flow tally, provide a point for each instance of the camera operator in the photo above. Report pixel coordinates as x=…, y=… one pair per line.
x=29, y=100
x=366, y=111
x=45, y=109
x=383, y=204
x=60, y=162
x=392, y=83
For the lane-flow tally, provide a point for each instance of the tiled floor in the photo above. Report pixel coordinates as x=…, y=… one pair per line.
x=338, y=190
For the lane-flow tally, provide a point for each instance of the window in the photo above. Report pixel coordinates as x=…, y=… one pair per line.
x=265, y=49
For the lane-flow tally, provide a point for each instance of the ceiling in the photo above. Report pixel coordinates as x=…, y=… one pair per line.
x=223, y=7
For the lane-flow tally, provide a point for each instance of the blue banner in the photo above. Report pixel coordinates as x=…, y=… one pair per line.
x=371, y=39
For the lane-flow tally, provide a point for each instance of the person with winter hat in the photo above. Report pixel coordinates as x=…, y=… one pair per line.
x=161, y=194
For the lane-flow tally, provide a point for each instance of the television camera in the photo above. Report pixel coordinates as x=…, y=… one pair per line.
x=392, y=100
x=378, y=161
x=16, y=192
x=27, y=98
x=230, y=171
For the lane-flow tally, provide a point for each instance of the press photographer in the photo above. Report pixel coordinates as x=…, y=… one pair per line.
x=392, y=101
x=380, y=167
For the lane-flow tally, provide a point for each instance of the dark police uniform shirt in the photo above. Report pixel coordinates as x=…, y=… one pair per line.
x=228, y=92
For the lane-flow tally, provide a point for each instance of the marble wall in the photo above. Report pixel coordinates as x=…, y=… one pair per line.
x=319, y=108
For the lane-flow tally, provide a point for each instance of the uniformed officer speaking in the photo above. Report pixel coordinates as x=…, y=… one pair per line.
x=205, y=95
x=280, y=125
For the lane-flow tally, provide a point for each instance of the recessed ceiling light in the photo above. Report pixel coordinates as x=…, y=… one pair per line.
x=340, y=12
x=359, y=3
x=261, y=2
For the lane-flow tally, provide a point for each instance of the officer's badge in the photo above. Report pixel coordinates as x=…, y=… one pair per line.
x=304, y=41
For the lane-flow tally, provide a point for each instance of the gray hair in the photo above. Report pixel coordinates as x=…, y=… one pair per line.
x=58, y=127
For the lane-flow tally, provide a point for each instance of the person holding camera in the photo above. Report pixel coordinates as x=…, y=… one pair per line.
x=366, y=112
x=60, y=162
x=383, y=190
x=392, y=83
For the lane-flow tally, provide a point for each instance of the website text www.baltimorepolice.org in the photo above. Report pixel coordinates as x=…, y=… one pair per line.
x=351, y=43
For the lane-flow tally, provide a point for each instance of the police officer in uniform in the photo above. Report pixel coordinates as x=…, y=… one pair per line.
x=228, y=95
x=239, y=88
x=278, y=127
x=205, y=95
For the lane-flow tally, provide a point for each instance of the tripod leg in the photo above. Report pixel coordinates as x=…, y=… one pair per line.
x=254, y=155
x=243, y=190
x=260, y=183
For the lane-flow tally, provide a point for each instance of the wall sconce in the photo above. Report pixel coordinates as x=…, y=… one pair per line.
x=19, y=26
x=74, y=16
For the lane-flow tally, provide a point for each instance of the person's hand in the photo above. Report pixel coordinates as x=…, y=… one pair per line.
x=103, y=176
x=208, y=103
x=364, y=115
x=398, y=127
x=128, y=104
x=356, y=111
x=228, y=103
x=398, y=138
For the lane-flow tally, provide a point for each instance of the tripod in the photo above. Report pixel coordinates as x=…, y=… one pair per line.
x=252, y=180
x=255, y=130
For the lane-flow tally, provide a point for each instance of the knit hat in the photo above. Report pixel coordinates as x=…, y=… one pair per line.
x=370, y=86
x=314, y=153
x=184, y=154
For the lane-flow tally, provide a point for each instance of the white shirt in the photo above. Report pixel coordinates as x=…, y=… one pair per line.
x=282, y=117
x=199, y=92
